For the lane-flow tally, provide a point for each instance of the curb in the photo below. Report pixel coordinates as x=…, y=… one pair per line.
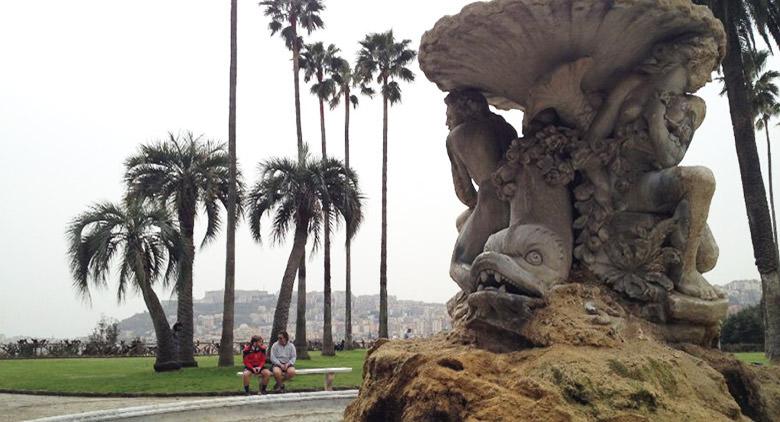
x=158, y=409
x=150, y=395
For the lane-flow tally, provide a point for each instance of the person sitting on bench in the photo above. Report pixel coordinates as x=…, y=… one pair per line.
x=283, y=360
x=254, y=362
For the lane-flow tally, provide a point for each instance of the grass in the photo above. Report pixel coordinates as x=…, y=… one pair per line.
x=754, y=357
x=136, y=376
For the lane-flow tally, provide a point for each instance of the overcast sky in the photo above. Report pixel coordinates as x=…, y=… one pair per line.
x=84, y=82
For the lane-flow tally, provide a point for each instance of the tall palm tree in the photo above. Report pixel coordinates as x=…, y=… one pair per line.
x=345, y=79
x=319, y=62
x=183, y=174
x=294, y=194
x=286, y=18
x=146, y=245
x=764, y=94
x=229, y=302
x=741, y=19
x=383, y=60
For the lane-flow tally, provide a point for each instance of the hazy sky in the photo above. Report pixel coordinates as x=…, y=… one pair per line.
x=84, y=82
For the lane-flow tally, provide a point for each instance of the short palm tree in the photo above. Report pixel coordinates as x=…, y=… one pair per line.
x=384, y=61
x=292, y=194
x=319, y=63
x=345, y=80
x=145, y=244
x=741, y=20
x=229, y=302
x=183, y=174
x=287, y=17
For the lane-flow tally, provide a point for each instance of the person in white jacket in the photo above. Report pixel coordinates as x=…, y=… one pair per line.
x=283, y=360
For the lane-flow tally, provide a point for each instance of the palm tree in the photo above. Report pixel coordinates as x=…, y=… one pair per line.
x=287, y=16
x=294, y=194
x=346, y=79
x=741, y=19
x=183, y=174
x=383, y=60
x=146, y=244
x=764, y=93
x=319, y=62
x=228, y=309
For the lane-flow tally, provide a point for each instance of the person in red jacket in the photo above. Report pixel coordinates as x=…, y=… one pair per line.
x=254, y=364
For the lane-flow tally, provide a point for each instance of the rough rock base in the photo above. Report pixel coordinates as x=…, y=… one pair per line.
x=604, y=365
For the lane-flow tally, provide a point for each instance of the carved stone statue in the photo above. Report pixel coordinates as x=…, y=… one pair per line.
x=477, y=143
x=594, y=184
x=652, y=119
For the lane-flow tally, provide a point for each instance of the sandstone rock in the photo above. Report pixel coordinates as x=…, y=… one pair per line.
x=434, y=380
x=577, y=371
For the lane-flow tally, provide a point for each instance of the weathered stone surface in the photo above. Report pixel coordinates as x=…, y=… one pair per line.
x=609, y=367
x=505, y=48
x=433, y=380
x=756, y=389
x=704, y=312
x=595, y=180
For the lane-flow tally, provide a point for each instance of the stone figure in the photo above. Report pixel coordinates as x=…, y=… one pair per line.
x=652, y=119
x=476, y=144
x=595, y=183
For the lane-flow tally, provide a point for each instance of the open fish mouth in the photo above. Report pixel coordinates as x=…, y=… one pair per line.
x=495, y=272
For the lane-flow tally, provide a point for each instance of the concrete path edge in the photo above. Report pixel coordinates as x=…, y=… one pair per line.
x=157, y=409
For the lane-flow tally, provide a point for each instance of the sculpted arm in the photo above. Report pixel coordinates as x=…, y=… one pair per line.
x=604, y=123
x=668, y=152
x=461, y=179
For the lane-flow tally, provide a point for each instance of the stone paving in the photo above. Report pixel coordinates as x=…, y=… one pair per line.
x=17, y=407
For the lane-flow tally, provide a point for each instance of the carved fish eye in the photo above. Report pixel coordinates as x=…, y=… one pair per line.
x=534, y=258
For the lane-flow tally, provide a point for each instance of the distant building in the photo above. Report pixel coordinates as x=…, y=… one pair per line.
x=255, y=312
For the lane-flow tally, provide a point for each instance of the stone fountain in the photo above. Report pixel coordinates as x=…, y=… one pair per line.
x=583, y=237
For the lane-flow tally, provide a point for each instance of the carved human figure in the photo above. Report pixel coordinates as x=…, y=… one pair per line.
x=650, y=112
x=476, y=144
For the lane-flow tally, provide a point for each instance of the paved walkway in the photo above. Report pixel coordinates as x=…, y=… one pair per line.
x=19, y=407
x=291, y=406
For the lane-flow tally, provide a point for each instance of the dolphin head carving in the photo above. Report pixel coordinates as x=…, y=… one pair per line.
x=526, y=259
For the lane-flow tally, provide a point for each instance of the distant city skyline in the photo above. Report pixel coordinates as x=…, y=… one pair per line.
x=255, y=308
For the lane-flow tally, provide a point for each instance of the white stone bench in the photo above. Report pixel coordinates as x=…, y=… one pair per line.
x=330, y=373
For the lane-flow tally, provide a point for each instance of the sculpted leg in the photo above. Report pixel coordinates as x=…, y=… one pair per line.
x=687, y=191
x=708, y=253
x=489, y=216
x=698, y=184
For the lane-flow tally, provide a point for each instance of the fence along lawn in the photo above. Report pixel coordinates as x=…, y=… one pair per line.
x=135, y=375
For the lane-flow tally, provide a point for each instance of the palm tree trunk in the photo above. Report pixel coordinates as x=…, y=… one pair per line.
x=282, y=312
x=184, y=311
x=165, y=357
x=383, y=246
x=301, y=344
x=771, y=182
x=228, y=309
x=296, y=71
x=759, y=220
x=348, y=246
x=327, y=323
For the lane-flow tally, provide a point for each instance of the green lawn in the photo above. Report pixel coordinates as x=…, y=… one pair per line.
x=757, y=357
x=135, y=375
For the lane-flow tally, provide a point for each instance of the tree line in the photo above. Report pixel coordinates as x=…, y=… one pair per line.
x=150, y=234
x=151, y=230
